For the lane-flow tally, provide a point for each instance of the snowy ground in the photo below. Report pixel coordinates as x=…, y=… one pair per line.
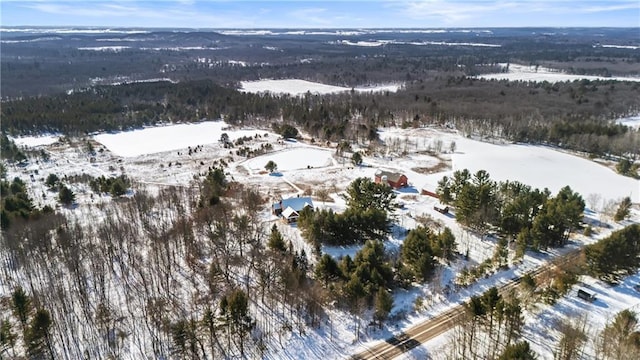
x=538, y=74
x=631, y=121
x=156, y=157
x=33, y=141
x=375, y=43
x=166, y=138
x=541, y=321
x=294, y=159
x=299, y=87
x=537, y=166
x=540, y=328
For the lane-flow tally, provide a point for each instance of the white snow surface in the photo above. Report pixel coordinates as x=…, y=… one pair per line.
x=631, y=121
x=105, y=48
x=299, y=87
x=543, y=167
x=294, y=159
x=631, y=47
x=541, y=327
x=530, y=73
x=33, y=141
x=166, y=138
x=538, y=166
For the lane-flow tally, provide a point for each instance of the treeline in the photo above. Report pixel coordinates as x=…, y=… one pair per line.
x=115, y=108
x=9, y=150
x=574, y=115
x=530, y=216
x=615, y=256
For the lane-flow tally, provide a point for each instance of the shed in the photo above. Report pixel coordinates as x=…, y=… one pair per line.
x=586, y=294
x=394, y=179
x=441, y=208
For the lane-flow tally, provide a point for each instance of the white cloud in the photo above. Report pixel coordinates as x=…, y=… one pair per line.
x=129, y=13
x=454, y=12
x=457, y=13
x=631, y=5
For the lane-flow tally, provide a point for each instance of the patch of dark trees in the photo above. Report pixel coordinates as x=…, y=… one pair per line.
x=42, y=65
x=575, y=115
x=616, y=256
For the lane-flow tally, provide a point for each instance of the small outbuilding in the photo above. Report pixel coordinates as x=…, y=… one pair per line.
x=586, y=294
x=394, y=179
x=441, y=208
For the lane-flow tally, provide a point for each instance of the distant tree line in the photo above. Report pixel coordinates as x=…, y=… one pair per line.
x=576, y=115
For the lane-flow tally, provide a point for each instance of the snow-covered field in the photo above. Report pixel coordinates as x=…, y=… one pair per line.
x=375, y=43
x=543, y=167
x=518, y=72
x=632, y=47
x=537, y=166
x=105, y=48
x=299, y=87
x=33, y=141
x=166, y=138
x=631, y=121
x=294, y=159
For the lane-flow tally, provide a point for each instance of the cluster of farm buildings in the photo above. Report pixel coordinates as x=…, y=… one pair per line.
x=289, y=209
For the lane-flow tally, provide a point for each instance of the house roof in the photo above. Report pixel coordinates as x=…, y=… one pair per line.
x=286, y=213
x=391, y=176
x=296, y=203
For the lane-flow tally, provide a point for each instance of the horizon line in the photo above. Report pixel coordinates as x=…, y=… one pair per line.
x=315, y=28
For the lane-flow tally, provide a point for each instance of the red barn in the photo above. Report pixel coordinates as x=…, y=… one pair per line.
x=395, y=180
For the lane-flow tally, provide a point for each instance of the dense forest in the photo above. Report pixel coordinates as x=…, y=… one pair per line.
x=55, y=83
x=40, y=64
x=574, y=115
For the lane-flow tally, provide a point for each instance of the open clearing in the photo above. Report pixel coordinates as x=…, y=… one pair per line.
x=295, y=87
x=539, y=74
x=294, y=159
x=631, y=121
x=543, y=167
x=167, y=138
x=32, y=141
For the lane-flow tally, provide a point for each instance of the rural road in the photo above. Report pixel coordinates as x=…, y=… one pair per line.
x=438, y=325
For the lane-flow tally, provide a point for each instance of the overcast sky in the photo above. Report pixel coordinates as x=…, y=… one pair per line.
x=322, y=14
